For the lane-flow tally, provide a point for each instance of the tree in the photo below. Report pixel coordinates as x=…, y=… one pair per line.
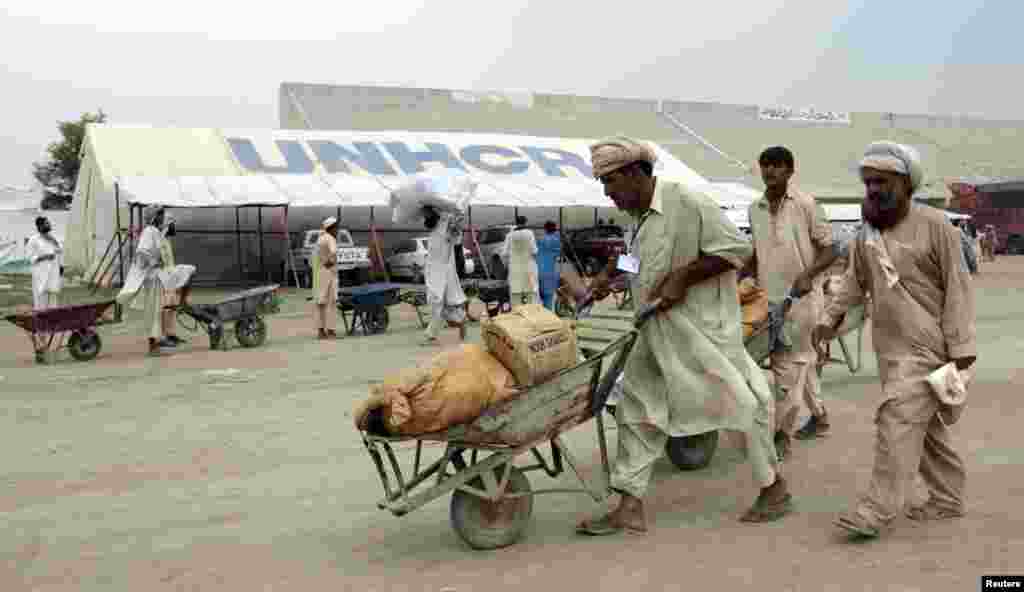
x=59, y=174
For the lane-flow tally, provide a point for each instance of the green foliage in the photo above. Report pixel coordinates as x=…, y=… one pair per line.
x=60, y=172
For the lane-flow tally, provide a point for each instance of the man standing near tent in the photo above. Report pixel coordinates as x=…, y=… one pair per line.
x=44, y=253
x=520, y=255
x=444, y=291
x=909, y=259
x=793, y=247
x=325, y=280
x=144, y=276
x=689, y=372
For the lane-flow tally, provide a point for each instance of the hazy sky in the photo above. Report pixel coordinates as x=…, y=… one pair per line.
x=218, y=63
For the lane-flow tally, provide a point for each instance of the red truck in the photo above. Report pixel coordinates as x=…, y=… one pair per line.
x=1000, y=204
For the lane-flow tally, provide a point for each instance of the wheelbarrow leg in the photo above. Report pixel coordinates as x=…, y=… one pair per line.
x=599, y=488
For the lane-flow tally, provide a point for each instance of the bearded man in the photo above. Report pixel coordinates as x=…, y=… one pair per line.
x=908, y=258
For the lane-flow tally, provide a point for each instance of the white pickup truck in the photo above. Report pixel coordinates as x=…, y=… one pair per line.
x=353, y=261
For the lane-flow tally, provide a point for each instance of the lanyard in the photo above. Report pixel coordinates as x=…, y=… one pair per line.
x=636, y=233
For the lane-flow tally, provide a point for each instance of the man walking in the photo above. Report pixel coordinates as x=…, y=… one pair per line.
x=444, y=291
x=792, y=249
x=145, y=276
x=689, y=372
x=909, y=259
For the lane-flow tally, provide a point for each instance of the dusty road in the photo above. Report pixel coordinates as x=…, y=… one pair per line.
x=241, y=471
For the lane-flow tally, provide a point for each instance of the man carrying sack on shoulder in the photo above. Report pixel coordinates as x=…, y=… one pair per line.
x=908, y=258
x=689, y=372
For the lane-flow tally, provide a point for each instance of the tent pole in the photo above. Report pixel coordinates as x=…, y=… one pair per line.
x=375, y=248
x=238, y=247
x=259, y=234
x=289, y=260
x=117, y=216
x=131, y=234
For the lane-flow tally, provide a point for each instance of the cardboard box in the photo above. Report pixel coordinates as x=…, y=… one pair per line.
x=532, y=342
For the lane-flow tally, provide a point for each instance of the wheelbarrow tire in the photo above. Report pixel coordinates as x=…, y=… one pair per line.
x=251, y=332
x=216, y=336
x=484, y=524
x=378, y=320
x=85, y=345
x=689, y=453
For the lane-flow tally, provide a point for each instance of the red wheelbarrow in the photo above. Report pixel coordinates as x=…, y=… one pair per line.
x=71, y=326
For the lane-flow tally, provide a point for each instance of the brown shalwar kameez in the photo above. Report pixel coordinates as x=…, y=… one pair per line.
x=787, y=243
x=922, y=306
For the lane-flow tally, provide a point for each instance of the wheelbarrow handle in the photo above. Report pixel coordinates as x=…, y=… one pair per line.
x=646, y=311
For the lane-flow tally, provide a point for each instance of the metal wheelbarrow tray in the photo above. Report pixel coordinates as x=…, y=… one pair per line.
x=245, y=309
x=493, y=293
x=71, y=326
x=492, y=500
x=366, y=307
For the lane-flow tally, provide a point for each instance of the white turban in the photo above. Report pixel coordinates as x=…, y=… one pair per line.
x=614, y=153
x=895, y=158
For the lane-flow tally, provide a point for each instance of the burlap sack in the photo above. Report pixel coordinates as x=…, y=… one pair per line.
x=532, y=342
x=453, y=388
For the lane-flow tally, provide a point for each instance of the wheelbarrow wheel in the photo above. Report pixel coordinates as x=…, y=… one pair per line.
x=251, y=332
x=689, y=453
x=84, y=345
x=377, y=320
x=216, y=334
x=484, y=524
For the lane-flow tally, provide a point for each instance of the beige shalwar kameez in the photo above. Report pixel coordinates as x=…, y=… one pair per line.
x=326, y=294
x=922, y=305
x=787, y=243
x=689, y=372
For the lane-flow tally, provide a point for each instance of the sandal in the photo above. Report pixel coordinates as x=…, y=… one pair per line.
x=768, y=512
x=854, y=524
x=770, y=506
x=930, y=511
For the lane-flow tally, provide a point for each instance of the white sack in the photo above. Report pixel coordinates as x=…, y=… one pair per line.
x=447, y=192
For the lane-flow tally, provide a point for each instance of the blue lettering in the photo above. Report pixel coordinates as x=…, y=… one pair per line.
x=338, y=159
x=412, y=162
x=553, y=160
x=296, y=160
x=473, y=156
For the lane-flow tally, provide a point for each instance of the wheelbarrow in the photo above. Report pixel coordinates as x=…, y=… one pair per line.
x=71, y=327
x=366, y=307
x=492, y=500
x=245, y=309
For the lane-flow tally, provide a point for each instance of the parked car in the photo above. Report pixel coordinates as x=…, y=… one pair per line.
x=593, y=247
x=353, y=261
x=408, y=260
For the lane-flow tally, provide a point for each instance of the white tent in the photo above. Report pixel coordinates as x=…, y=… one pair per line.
x=210, y=173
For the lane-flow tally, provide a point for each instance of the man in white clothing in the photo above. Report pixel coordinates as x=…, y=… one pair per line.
x=44, y=252
x=520, y=255
x=444, y=291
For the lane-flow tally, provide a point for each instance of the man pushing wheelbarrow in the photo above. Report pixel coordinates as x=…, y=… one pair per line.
x=689, y=371
x=149, y=278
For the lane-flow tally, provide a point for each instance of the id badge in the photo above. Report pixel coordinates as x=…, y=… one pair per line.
x=629, y=264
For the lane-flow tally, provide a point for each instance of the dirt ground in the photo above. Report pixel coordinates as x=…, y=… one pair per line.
x=241, y=470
